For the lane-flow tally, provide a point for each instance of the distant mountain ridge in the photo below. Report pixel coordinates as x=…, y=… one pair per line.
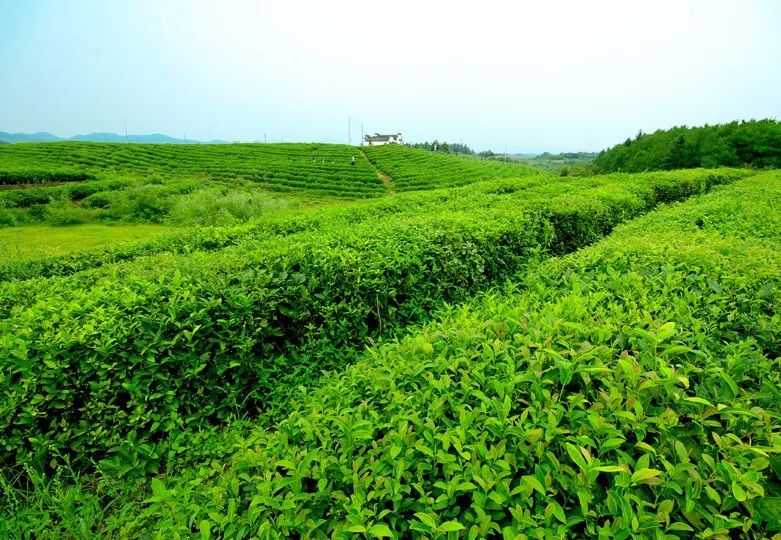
x=155, y=138
x=28, y=137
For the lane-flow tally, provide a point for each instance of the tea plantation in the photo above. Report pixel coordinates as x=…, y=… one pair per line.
x=415, y=346
x=416, y=169
x=68, y=183
x=311, y=167
x=630, y=389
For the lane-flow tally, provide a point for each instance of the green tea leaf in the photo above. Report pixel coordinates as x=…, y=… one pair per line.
x=380, y=530
x=449, y=526
x=643, y=475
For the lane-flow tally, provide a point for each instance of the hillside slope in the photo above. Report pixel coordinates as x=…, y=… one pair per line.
x=316, y=168
x=414, y=169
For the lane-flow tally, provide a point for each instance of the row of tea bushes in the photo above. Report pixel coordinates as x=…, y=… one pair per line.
x=414, y=169
x=627, y=390
x=114, y=362
x=534, y=190
x=36, y=176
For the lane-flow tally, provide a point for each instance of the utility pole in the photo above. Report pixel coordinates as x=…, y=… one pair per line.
x=185, y=138
x=264, y=138
x=127, y=139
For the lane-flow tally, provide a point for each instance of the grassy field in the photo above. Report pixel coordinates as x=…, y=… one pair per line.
x=32, y=242
x=469, y=349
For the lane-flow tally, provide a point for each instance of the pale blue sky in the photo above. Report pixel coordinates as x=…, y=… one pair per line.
x=530, y=75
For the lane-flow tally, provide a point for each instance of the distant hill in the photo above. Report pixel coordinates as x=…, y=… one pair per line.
x=755, y=143
x=156, y=138
x=28, y=137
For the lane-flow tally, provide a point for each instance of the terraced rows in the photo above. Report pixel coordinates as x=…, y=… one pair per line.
x=319, y=168
x=414, y=169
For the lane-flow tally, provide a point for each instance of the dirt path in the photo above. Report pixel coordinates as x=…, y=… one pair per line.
x=384, y=178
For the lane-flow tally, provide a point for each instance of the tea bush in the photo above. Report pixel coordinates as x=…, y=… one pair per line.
x=32, y=176
x=24, y=198
x=108, y=363
x=627, y=390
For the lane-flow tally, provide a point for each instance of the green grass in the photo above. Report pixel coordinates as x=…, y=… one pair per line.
x=630, y=389
x=32, y=242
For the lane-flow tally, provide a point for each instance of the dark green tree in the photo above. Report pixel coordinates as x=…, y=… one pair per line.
x=676, y=155
x=754, y=143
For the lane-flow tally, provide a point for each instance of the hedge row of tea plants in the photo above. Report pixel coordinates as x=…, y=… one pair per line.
x=316, y=168
x=25, y=198
x=536, y=189
x=415, y=169
x=628, y=390
x=187, y=240
x=35, y=176
x=113, y=361
x=124, y=200
x=279, y=223
x=537, y=194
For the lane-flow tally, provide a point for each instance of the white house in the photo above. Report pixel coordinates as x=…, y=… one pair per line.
x=379, y=140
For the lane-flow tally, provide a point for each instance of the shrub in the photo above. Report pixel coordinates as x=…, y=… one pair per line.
x=628, y=390
x=28, y=176
x=136, y=351
x=62, y=212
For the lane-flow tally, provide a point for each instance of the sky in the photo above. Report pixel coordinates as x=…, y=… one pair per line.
x=522, y=75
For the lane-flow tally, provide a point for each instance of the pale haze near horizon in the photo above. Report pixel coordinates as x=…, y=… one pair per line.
x=529, y=76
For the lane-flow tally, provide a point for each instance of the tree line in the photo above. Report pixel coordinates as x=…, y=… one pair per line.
x=445, y=147
x=755, y=143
